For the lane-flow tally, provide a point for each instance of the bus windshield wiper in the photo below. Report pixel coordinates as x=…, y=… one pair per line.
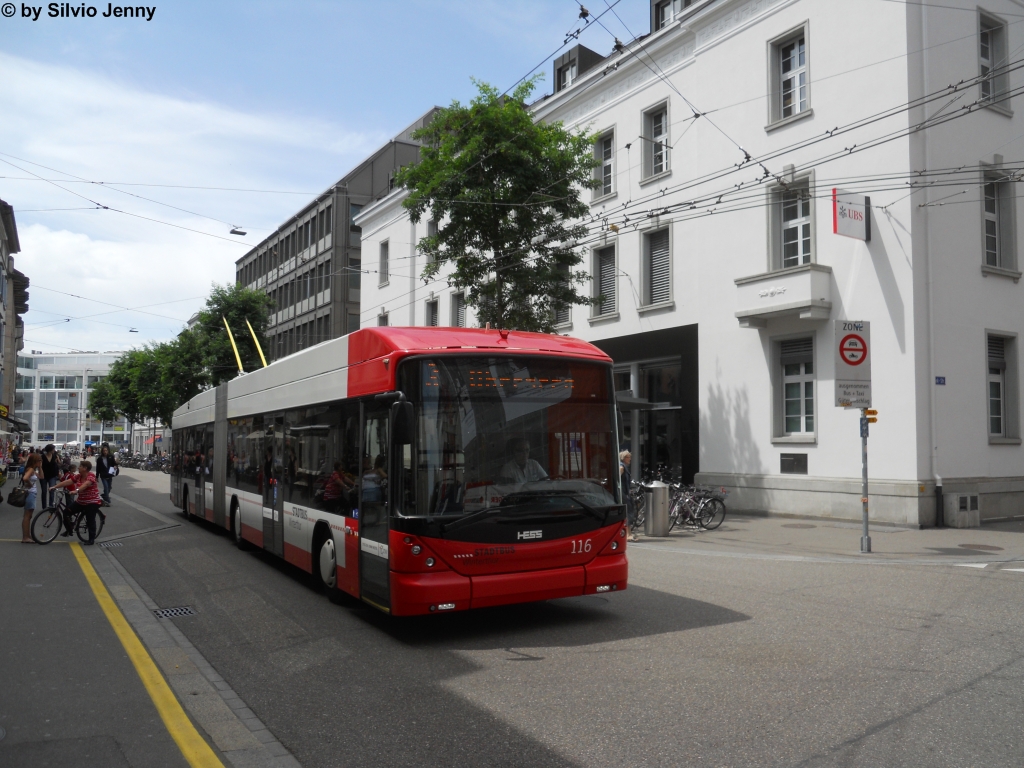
x=598, y=514
x=528, y=507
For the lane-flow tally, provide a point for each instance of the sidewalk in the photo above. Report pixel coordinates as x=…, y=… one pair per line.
x=822, y=539
x=76, y=691
x=69, y=695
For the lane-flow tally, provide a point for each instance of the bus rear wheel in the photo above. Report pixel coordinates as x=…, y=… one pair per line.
x=236, y=527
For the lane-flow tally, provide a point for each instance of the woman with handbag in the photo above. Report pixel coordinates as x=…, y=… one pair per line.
x=28, y=485
x=106, y=471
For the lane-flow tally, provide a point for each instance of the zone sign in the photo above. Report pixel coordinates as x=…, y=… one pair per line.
x=853, y=363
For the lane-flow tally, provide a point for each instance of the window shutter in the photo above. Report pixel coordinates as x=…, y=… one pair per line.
x=606, y=280
x=459, y=310
x=797, y=351
x=659, y=288
x=996, y=352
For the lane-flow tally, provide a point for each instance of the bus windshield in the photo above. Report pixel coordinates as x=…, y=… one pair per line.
x=508, y=431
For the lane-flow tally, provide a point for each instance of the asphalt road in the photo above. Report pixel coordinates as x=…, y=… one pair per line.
x=728, y=660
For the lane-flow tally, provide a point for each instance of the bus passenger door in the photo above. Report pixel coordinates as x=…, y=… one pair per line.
x=271, y=470
x=374, y=586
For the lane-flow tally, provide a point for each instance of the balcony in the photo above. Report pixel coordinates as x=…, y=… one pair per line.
x=804, y=292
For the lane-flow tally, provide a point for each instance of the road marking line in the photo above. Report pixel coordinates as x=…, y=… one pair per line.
x=1019, y=570
x=193, y=747
x=970, y=565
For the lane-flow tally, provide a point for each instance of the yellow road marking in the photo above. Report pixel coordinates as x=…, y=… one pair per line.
x=194, y=748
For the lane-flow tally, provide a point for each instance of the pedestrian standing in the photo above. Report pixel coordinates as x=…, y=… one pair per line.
x=626, y=480
x=29, y=481
x=51, y=472
x=106, y=471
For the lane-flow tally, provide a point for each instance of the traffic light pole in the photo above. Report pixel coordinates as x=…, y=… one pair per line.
x=865, y=539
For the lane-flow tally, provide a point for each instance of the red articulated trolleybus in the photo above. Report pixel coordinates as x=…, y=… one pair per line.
x=418, y=469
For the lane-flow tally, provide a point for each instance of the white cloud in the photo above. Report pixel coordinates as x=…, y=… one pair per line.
x=100, y=129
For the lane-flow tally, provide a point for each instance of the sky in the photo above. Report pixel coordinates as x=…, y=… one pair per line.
x=214, y=115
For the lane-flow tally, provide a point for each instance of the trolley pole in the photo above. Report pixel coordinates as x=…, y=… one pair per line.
x=865, y=539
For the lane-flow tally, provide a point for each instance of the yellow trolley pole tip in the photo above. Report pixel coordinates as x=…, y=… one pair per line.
x=231, y=338
x=256, y=342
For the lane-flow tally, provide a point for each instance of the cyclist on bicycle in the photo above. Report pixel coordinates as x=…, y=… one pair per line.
x=86, y=489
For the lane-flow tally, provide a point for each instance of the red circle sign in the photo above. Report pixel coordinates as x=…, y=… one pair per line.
x=853, y=350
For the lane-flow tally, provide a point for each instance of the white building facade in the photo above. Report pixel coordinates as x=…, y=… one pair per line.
x=721, y=137
x=52, y=397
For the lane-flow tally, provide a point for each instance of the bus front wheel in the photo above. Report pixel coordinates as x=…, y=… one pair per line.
x=328, y=564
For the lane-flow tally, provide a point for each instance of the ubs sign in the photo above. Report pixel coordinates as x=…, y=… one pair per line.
x=851, y=215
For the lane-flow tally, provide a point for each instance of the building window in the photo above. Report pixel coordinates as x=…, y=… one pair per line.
x=604, y=173
x=792, y=224
x=459, y=310
x=1003, y=388
x=655, y=141
x=604, y=281
x=382, y=319
x=667, y=10
x=382, y=273
x=431, y=233
x=797, y=361
x=790, y=78
x=657, y=268
x=432, y=318
x=998, y=221
x=567, y=75
x=992, y=59
x=25, y=382
x=996, y=386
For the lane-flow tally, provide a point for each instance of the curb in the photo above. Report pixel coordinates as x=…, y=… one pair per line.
x=235, y=730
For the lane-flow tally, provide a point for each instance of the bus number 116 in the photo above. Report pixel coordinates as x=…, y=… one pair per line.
x=581, y=545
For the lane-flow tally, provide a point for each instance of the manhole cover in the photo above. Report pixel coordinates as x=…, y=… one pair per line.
x=171, y=613
x=109, y=544
x=983, y=547
x=799, y=525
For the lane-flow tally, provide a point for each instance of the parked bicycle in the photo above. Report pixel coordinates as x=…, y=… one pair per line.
x=49, y=522
x=697, y=507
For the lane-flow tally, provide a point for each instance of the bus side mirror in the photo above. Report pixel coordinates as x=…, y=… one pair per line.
x=403, y=422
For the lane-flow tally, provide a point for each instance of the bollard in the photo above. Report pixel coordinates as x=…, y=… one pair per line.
x=656, y=520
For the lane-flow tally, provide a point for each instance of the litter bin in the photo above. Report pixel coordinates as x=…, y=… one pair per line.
x=656, y=515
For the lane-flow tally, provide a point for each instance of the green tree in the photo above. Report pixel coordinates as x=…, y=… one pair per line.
x=183, y=371
x=102, y=399
x=237, y=304
x=122, y=383
x=505, y=191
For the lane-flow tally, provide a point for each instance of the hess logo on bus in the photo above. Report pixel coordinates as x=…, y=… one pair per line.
x=528, y=535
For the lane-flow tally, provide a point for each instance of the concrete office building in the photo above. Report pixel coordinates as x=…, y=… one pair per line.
x=720, y=137
x=52, y=397
x=312, y=264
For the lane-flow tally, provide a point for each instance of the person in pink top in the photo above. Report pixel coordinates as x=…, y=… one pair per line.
x=88, y=498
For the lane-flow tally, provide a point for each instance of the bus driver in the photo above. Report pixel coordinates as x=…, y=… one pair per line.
x=521, y=468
